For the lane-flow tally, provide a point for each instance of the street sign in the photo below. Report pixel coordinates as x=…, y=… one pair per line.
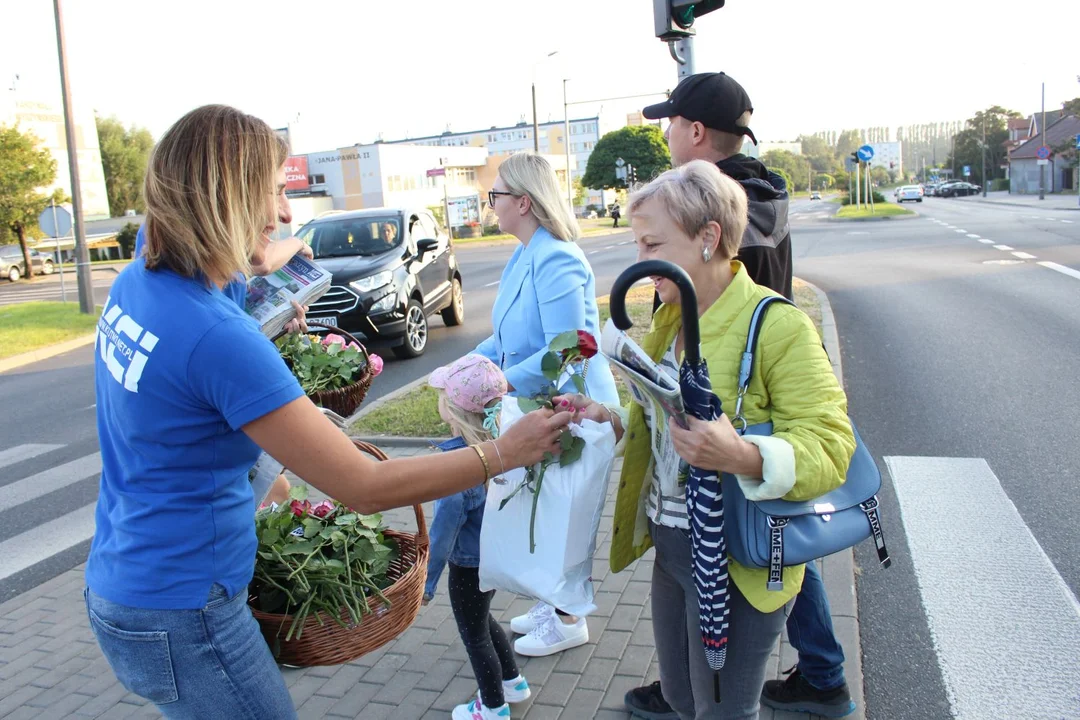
x=55, y=220
x=619, y=162
x=1042, y=161
x=967, y=171
x=866, y=153
x=434, y=172
x=849, y=164
x=1043, y=152
x=1078, y=142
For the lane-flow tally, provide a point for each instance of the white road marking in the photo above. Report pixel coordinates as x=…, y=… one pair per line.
x=973, y=235
x=55, y=478
x=24, y=452
x=962, y=232
x=984, y=241
x=493, y=284
x=608, y=247
x=43, y=541
x=1002, y=247
x=1068, y=222
x=1064, y=270
x=997, y=619
x=592, y=252
x=1024, y=256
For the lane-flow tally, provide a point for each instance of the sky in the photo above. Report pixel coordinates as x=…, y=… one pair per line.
x=351, y=70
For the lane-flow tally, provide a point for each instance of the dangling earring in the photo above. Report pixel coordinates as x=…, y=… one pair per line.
x=706, y=254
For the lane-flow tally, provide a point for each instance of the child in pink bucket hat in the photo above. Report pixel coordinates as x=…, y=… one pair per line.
x=470, y=399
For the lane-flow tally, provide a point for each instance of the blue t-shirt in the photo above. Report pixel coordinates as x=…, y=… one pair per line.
x=179, y=370
x=235, y=291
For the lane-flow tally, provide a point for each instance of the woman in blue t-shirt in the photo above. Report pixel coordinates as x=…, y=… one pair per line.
x=188, y=394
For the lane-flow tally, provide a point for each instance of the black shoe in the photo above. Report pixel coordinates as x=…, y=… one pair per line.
x=795, y=694
x=648, y=702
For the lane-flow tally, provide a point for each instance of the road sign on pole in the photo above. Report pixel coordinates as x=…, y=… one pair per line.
x=1043, y=152
x=56, y=222
x=866, y=153
x=967, y=171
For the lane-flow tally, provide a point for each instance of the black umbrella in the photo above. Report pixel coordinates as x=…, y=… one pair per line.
x=704, y=500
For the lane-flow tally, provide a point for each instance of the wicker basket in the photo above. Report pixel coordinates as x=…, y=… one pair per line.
x=331, y=644
x=343, y=401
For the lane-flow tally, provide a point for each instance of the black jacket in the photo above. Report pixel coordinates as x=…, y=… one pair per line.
x=766, y=244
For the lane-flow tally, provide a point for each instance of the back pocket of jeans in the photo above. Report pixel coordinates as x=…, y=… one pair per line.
x=141, y=660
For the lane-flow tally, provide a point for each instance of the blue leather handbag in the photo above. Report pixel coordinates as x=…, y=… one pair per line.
x=773, y=534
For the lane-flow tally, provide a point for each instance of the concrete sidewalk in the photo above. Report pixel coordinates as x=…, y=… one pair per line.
x=50, y=665
x=1052, y=202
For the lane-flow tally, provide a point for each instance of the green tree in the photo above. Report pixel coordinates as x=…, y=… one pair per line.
x=642, y=146
x=968, y=143
x=1072, y=107
x=795, y=167
x=24, y=171
x=848, y=142
x=579, y=192
x=125, y=153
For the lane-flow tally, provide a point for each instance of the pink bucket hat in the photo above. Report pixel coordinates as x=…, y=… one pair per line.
x=470, y=382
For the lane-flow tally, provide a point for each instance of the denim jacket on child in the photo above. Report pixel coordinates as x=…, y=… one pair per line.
x=455, y=531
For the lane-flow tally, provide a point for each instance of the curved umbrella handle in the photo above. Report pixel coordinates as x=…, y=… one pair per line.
x=687, y=297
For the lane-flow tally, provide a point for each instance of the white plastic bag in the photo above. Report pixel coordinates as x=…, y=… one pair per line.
x=568, y=510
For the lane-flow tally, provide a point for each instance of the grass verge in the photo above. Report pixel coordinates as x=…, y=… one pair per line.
x=416, y=414
x=886, y=210
x=33, y=325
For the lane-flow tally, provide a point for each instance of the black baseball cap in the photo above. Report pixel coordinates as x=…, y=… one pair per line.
x=712, y=99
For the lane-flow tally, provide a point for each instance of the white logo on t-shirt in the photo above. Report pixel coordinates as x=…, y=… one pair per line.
x=113, y=327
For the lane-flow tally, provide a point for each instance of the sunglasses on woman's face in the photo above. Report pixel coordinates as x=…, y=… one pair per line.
x=492, y=194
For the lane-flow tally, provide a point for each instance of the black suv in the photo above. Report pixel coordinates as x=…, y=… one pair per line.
x=13, y=265
x=392, y=268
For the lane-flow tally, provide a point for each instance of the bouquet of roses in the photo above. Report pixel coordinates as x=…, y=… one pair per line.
x=568, y=353
x=323, y=559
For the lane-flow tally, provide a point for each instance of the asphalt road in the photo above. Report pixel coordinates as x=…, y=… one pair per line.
x=955, y=348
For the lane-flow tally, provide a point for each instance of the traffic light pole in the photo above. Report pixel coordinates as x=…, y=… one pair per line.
x=682, y=52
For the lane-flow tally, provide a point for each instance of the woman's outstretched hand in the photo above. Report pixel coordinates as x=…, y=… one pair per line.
x=530, y=438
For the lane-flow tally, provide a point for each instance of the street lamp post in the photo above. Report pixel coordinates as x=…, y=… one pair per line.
x=566, y=147
x=536, y=126
x=984, y=154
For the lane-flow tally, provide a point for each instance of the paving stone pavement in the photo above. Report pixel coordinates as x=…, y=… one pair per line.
x=50, y=665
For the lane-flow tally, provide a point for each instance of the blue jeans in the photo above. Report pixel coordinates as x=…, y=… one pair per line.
x=810, y=632
x=195, y=664
x=455, y=533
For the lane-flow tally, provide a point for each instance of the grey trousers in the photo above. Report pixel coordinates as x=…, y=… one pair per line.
x=687, y=680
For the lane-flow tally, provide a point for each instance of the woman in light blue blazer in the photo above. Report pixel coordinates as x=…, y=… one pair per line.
x=548, y=287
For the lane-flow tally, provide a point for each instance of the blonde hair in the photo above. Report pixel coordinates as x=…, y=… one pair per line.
x=529, y=174
x=208, y=188
x=470, y=425
x=696, y=194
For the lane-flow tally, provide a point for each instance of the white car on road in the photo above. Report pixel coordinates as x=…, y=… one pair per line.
x=909, y=192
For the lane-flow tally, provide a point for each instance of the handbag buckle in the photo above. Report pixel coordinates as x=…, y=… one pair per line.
x=738, y=421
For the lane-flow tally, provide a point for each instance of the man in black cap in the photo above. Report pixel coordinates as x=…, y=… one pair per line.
x=709, y=117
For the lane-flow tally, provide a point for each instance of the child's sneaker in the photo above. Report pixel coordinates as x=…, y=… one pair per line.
x=515, y=691
x=475, y=710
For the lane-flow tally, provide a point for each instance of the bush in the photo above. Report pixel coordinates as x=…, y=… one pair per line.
x=878, y=198
x=492, y=230
x=998, y=184
x=787, y=178
x=126, y=239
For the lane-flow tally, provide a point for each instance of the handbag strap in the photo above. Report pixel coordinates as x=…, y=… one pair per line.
x=746, y=365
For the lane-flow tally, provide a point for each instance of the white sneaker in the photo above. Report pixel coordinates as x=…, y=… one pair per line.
x=552, y=635
x=524, y=624
x=475, y=710
x=515, y=691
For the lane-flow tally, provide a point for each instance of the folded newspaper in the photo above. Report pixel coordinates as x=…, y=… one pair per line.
x=654, y=390
x=269, y=297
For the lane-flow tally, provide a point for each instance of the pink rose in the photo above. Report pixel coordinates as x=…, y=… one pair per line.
x=332, y=339
x=376, y=365
x=299, y=508
x=323, y=509
x=354, y=346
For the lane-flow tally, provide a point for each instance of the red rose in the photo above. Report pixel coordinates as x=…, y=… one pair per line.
x=323, y=509
x=300, y=508
x=586, y=344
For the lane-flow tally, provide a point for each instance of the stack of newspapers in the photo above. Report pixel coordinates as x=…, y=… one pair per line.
x=269, y=297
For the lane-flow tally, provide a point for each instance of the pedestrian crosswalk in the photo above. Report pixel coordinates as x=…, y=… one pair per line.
x=54, y=531
x=13, y=294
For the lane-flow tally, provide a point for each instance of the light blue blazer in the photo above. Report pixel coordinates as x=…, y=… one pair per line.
x=547, y=288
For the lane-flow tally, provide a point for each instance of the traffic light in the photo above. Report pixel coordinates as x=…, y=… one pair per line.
x=673, y=19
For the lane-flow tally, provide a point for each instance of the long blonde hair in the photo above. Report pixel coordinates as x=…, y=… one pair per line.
x=470, y=425
x=529, y=174
x=208, y=190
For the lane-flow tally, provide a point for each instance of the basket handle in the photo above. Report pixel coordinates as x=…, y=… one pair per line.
x=421, y=523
